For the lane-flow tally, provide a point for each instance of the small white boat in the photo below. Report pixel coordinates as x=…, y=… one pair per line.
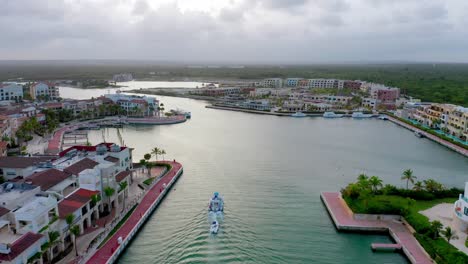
x=383, y=117
x=418, y=134
x=298, y=114
x=214, y=227
x=360, y=115
x=331, y=115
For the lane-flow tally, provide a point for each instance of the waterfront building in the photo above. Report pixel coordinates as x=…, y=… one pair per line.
x=293, y=106
x=352, y=85
x=35, y=215
x=135, y=105
x=273, y=83
x=460, y=211
x=122, y=77
x=458, y=122
x=293, y=82
x=5, y=127
x=20, y=249
x=44, y=91
x=326, y=83
x=319, y=107
x=258, y=92
x=53, y=181
x=370, y=103
x=11, y=92
x=261, y=105
x=12, y=167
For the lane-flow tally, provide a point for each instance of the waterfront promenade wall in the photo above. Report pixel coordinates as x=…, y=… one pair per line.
x=434, y=138
x=401, y=232
x=110, y=251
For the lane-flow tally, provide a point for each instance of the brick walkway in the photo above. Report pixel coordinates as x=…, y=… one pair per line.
x=344, y=219
x=104, y=254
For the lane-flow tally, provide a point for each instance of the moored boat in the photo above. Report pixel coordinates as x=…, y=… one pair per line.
x=383, y=117
x=331, y=115
x=418, y=134
x=298, y=114
x=360, y=115
x=216, y=203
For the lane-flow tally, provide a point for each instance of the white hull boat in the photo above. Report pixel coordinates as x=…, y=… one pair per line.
x=360, y=115
x=298, y=114
x=214, y=227
x=331, y=115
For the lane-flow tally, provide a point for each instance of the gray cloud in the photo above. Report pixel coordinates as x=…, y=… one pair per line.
x=240, y=30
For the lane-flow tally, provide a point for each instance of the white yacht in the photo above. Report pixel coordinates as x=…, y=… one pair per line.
x=216, y=203
x=298, y=114
x=331, y=115
x=360, y=115
x=214, y=227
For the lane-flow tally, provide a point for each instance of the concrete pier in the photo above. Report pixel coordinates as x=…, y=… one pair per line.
x=345, y=220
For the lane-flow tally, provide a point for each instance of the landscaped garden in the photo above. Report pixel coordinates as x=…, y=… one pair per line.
x=369, y=195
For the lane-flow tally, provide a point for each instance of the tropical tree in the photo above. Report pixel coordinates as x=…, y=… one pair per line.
x=109, y=191
x=147, y=156
x=149, y=166
x=433, y=186
x=449, y=234
x=163, y=152
x=375, y=182
x=363, y=181
x=435, y=228
x=143, y=163
x=122, y=186
x=75, y=231
x=155, y=152
x=409, y=177
x=53, y=240
x=418, y=186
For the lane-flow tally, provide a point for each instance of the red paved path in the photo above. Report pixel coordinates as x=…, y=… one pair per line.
x=103, y=254
x=430, y=136
x=344, y=219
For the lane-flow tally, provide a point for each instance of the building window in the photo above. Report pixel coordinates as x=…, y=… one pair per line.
x=466, y=211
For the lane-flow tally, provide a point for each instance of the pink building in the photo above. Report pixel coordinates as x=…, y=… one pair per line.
x=389, y=94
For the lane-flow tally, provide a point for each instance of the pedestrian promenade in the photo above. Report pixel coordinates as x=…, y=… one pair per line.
x=109, y=252
x=445, y=143
x=345, y=219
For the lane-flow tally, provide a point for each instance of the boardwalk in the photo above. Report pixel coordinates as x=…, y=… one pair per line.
x=109, y=251
x=344, y=219
x=445, y=143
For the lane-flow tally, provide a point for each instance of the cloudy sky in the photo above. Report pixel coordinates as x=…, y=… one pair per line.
x=305, y=31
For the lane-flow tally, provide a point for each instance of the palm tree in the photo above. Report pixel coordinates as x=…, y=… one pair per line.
x=435, y=228
x=363, y=181
x=156, y=151
x=143, y=164
x=375, y=182
x=75, y=230
x=418, y=186
x=409, y=177
x=449, y=234
x=433, y=186
x=53, y=239
x=109, y=191
x=163, y=152
x=122, y=186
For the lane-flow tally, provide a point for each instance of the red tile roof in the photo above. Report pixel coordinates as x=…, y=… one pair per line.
x=48, y=178
x=3, y=211
x=20, y=245
x=80, y=166
x=21, y=162
x=87, y=148
x=122, y=175
x=75, y=201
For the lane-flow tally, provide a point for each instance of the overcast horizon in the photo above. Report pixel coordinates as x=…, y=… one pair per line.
x=236, y=31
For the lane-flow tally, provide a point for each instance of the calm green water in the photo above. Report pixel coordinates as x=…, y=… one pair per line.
x=271, y=171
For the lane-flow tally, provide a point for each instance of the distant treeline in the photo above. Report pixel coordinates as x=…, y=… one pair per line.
x=431, y=82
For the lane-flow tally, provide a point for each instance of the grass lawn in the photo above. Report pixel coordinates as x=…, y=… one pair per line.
x=149, y=181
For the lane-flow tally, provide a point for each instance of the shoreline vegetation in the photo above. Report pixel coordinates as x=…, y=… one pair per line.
x=369, y=195
x=432, y=82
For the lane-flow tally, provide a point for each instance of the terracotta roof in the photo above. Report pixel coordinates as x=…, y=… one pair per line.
x=111, y=159
x=20, y=245
x=21, y=162
x=3, y=211
x=122, y=175
x=48, y=178
x=80, y=166
x=75, y=201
